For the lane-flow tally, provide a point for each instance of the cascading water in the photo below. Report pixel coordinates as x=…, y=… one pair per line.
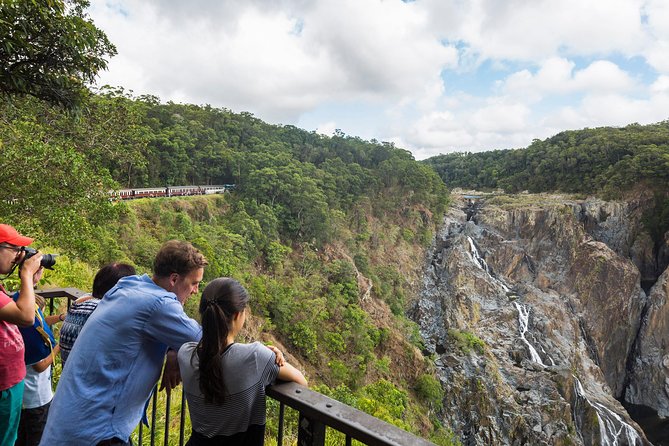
x=482, y=264
x=476, y=256
x=523, y=310
x=535, y=402
x=523, y=322
x=611, y=425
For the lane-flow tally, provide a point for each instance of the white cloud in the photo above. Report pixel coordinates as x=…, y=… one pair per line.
x=554, y=76
x=657, y=14
x=530, y=30
x=658, y=56
x=603, y=76
x=661, y=85
x=376, y=65
x=272, y=61
x=440, y=129
x=502, y=118
x=557, y=75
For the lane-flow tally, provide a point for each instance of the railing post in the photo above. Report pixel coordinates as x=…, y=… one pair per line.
x=168, y=407
x=182, y=422
x=279, y=437
x=153, y=415
x=310, y=432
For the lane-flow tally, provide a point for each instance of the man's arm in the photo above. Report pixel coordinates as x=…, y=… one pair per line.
x=171, y=326
x=171, y=373
x=54, y=318
x=22, y=312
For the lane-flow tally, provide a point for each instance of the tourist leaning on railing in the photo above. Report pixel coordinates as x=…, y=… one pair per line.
x=224, y=382
x=117, y=358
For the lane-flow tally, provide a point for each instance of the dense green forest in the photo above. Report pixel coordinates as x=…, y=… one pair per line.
x=324, y=231
x=297, y=183
x=606, y=160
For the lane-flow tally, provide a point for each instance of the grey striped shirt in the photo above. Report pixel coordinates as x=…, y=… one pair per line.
x=247, y=370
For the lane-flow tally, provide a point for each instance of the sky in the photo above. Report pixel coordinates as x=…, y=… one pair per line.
x=430, y=76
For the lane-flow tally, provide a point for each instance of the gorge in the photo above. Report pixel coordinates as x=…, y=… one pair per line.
x=533, y=309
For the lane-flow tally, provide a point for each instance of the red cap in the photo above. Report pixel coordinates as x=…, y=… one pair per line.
x=10, y=235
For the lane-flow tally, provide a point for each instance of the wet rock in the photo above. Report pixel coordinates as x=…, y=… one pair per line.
x=649, y=381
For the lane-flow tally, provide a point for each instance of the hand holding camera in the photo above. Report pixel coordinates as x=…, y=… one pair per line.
x=47, y=260
x=33, y=263
x=30, y=265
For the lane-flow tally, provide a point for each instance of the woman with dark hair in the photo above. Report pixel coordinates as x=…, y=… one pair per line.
x=225, y=381
x=81, y=309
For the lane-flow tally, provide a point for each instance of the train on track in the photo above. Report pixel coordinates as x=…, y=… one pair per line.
x=169, y=191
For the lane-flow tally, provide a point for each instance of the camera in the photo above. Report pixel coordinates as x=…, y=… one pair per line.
x=48, y=260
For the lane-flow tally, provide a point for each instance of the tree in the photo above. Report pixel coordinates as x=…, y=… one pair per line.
x=50, y=49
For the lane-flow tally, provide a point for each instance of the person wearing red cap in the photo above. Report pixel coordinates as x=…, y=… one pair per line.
x=21, y=312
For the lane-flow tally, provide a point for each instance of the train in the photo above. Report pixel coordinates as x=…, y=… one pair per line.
x=169, y=191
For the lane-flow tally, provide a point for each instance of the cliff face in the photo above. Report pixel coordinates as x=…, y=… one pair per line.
x=534, y=311
x=649, y=375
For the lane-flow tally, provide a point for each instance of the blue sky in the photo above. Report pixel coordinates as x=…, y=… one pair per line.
x=432, y=76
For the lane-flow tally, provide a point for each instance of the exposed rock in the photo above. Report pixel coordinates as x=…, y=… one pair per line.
x=558, y=313
x=619, y=225
x=649, y=380
x=663, y=253
x=607, y=287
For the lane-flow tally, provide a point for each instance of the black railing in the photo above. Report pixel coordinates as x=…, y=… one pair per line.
x=316, y=412
x=70, y=293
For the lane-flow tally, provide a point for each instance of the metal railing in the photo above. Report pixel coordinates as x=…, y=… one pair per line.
x=316, y=411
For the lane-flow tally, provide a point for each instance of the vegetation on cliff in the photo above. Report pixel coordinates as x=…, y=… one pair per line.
x=327, y=233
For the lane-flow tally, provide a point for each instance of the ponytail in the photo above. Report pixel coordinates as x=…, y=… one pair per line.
x=221, y=300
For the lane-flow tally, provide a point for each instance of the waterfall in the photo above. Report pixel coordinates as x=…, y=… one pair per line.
x=550, y=358
x=608, y=420
x=478, y=259
x=523, y=322
x=523, y=310
x=476, y=256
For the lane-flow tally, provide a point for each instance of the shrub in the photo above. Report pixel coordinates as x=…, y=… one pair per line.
x=429, y=389
x=467, y=341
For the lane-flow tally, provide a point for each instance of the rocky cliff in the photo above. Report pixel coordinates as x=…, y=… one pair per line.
x=533, y=309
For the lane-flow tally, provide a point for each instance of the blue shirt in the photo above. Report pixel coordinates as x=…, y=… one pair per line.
x=115, y=363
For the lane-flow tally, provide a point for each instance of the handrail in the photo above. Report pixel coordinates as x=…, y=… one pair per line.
x=316, y=411
x=318, y=408
x=70, y=293
x=53, y=293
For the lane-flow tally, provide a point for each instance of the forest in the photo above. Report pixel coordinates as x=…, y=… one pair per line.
x=610, y=162
x=607, y=161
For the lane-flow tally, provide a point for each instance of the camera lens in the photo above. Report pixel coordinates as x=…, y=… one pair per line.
x=48, y=260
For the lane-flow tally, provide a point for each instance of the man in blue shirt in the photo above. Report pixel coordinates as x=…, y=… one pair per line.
x=119, y=353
